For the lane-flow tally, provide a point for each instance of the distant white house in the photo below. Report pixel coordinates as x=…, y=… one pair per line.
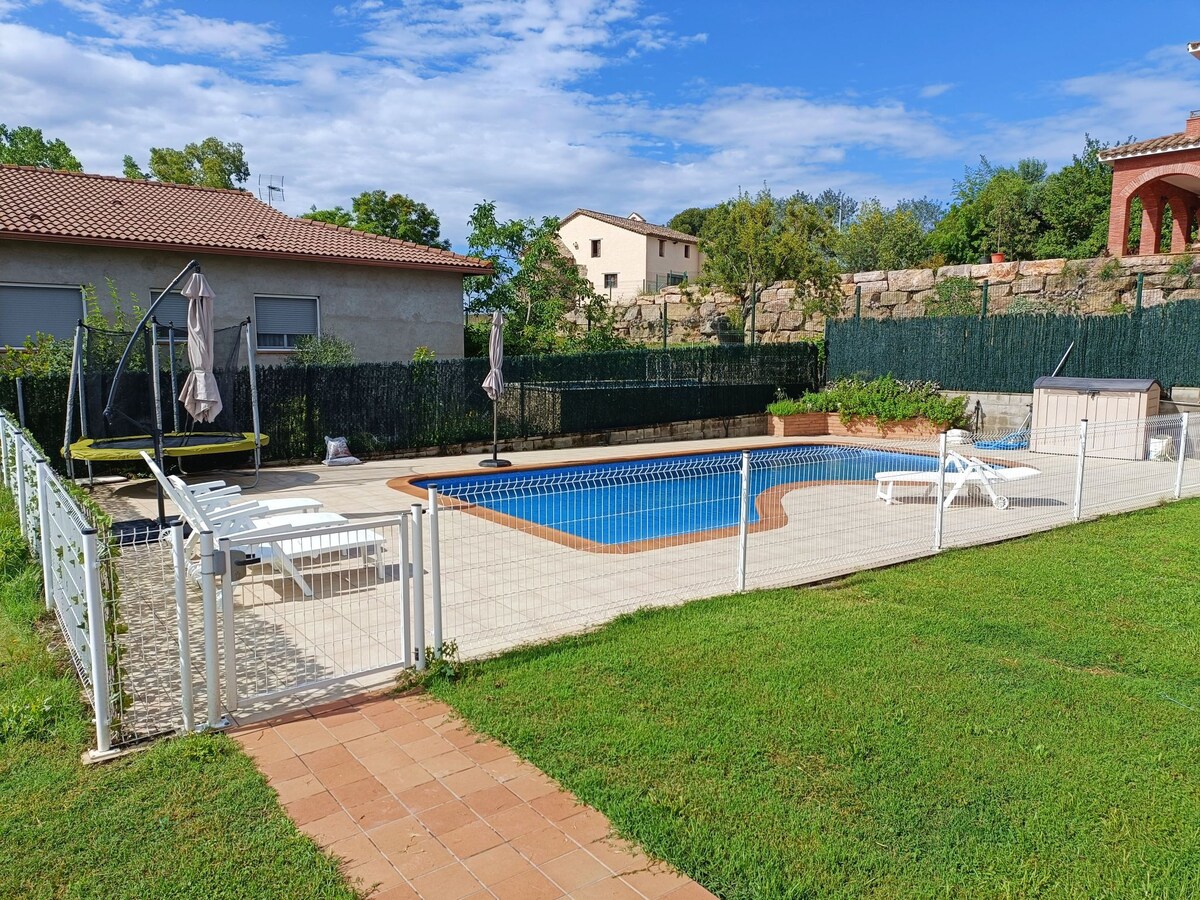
x=623, y=257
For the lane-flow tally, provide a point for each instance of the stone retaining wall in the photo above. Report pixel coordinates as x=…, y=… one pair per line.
x=1104, y=286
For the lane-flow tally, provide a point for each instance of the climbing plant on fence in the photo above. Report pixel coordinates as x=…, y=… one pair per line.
x=1008, y=353
x=387, y=407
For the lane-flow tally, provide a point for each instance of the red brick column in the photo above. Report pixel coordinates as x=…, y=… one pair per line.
x=1152, y=214
x=1118, y=222
x=1181, y=222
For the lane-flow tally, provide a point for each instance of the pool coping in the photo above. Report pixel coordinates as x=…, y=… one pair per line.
x=768, y=504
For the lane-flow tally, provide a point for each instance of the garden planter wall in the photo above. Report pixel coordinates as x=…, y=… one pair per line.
x=816, y=424
x=800, y=425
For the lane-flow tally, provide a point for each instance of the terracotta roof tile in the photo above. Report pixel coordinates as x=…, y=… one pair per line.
x=44, y=204
x=1178, y=141
x=661, y=231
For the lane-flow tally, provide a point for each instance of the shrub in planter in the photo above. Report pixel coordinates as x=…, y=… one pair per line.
x=882, y=403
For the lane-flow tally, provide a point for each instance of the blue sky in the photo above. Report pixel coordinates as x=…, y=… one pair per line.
x=623, y=105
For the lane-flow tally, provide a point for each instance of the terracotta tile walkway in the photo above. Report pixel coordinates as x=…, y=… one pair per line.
x=418, y=805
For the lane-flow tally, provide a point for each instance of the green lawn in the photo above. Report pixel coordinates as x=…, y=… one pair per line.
x=187, y=818
x=1011, y=721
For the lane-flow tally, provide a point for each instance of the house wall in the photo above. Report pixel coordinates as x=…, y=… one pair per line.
x=385, y=312
x=622, y=252
x=672, y=259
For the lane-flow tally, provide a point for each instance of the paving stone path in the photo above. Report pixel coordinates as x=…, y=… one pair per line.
x=419, y=805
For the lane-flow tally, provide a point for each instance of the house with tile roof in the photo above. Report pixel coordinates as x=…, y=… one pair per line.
x=625, y=256
x=1163, y=173
x=61, y=230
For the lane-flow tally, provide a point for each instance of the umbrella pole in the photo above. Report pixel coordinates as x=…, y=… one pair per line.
x=494, y=462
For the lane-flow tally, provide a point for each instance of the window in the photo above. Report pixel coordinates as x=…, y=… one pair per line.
x=172, y=311
x=26, y=309
x=595, y=248
x=662, y=248
x=281, y=321
x=610, y=281
x=687, y=251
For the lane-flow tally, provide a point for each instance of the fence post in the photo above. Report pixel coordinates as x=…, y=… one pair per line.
x=4, y=448
x=983, y=300
x=435, y=571
x=405, y=592
x=228, y=633
x=939, y=511
x=97, y=642
x=22, y=491
x=857, y=303
x=665, y=326
x=46, y=550
x=418, y=587
x=182, y=631
x=743, y=523
x=1137, y=302
x=208, y=593
x=1078, y=507
x=1181, y=454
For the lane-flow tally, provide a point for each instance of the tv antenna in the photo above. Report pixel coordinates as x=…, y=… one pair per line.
x=272, y=186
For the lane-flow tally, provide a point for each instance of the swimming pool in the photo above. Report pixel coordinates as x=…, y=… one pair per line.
x=631, y=502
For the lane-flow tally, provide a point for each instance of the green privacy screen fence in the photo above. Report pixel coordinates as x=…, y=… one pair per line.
x=1008, y=353
x=393, y=407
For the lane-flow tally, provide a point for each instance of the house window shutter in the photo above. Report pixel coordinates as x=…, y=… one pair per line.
x=28, y=309
x=281, y=321
x=172, y=310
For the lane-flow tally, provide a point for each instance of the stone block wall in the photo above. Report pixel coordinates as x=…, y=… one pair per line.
x=1104, y=286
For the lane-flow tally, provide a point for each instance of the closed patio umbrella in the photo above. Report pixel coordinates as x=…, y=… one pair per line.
x=493, y=385
x=200, y=395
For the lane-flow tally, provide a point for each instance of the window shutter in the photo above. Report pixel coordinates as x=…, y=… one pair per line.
x=173, y=309
x=28, y=309
x=284, y=316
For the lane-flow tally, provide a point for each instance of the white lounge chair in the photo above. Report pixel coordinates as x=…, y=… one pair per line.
x=961, y=472
x=279, y=540
x=216, y=495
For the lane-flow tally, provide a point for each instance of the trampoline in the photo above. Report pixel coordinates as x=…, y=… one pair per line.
x=176, y=444
x=124, y=394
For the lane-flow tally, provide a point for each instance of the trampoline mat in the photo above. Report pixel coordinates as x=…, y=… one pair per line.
x=196, y=443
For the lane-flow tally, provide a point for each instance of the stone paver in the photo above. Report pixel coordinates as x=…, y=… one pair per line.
x=418, y=805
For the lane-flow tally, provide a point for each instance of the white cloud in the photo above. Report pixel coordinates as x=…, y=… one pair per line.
x=935, y=90
x=175, y=30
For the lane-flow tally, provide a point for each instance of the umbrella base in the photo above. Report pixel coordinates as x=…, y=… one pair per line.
x=495, y=463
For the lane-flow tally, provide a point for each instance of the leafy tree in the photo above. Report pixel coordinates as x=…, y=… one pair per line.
x=210, y=163
x=535, y=284
x=995, y=210
x=839, y=206
x=751, y=242
x=130, y=169
x=925, y=211
x=395, y=216
x=322, y=350
x=25, y=146
x=1074, y=206
x=880, y=238
x=691, y=220
x=339, y=215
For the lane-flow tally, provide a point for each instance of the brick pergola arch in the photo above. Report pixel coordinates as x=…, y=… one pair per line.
x=1140, y=171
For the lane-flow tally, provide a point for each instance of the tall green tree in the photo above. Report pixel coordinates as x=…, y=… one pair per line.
x=1074, y=206
x=750, y=242
x=26, y=146
x=210, y=163
x=392, y=215
x=880, y=238
x=691, y=220
x=839, y=206
x=535, y=284
x=995, y=210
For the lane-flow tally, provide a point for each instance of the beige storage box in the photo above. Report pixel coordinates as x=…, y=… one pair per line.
x=1116, y=410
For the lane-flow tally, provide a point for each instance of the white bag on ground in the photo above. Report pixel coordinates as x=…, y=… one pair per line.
x=337, y=452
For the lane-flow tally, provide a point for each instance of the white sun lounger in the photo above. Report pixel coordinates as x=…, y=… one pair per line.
x=279, y=540
x=215, y=495
x=961, y=472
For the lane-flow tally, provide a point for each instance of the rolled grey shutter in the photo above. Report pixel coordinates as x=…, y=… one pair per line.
x=285, y=315
x=173, y=309
x=28, y=309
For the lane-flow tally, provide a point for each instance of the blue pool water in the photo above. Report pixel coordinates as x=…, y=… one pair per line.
x=622, y=502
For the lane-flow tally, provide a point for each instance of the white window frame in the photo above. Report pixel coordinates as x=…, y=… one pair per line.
x=41, y=284
x=270, y=296
x=595, y=248
x=615, y=281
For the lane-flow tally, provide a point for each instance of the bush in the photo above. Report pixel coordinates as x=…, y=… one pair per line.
x=322, y=350
x=955, y=297
x=884, y=399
